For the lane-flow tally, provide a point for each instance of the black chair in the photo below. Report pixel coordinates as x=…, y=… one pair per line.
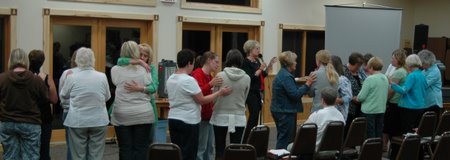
x=443, y=125
x=164, y=151
x=409, y=150
x=259, y=138
x=441, y=152
x=331, y=142
x=372, y=149
x=355, y=137
x=425, y=130
x=305, y=142
x=239, y=152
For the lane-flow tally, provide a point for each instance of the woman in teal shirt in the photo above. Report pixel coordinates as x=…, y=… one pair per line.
x=412, y=102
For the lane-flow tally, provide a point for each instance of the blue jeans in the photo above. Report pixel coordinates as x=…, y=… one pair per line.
x=133, y=141
x=20, y=140
x=69, y=156
x=286, y=124
x=185, y=136
x=374, y=125
x=205, y=141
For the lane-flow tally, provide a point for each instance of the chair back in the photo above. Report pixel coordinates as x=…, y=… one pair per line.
x=259, y=138
x=164, y=151
x=356, y=133
x=372, y=149
x=305, y=140
x=444, y=123
x=427, y=124
x=409, y=150
x=332, y=138
x=239, y=152
x=441, y=152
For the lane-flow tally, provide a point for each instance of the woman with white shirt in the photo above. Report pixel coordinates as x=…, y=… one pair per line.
x=132, y=115
x=229, y=111
x=88, y=91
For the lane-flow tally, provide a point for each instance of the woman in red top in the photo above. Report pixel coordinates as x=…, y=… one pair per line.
x=207, y=63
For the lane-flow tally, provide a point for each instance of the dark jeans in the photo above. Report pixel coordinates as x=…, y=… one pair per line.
x=133, y=141
x=436, y=109
x=286, y=124
x=254, y=107
x=46, y=134
x=185, y=136
x=220, y=135
x=374, y=125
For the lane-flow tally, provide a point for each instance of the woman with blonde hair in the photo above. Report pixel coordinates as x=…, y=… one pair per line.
x=391, y=116
x=132, y=115
x=326, y=77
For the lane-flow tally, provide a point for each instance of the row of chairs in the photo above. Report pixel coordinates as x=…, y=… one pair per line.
x=333, y=145
x=428, y=132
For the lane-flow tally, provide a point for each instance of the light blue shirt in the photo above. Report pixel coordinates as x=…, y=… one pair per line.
x=413, y=91
x=345, y=93
x=434, y=88
x=88, y=91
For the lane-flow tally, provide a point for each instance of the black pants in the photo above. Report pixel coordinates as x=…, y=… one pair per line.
x=134, y=141
x=254, y=107
x=185, y=136
x=46, y=134
x=220, y=135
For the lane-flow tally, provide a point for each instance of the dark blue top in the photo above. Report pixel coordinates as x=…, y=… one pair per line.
x=286, y=95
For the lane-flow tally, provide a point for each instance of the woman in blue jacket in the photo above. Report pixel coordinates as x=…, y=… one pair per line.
x=287, y=99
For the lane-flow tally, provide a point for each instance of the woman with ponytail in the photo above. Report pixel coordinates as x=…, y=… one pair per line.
x=326, y=77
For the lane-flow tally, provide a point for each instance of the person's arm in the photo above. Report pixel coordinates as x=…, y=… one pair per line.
x=248, y=69
x=346, y=92
x=202, y=83
x=65, y=91
x=432, y=78
x=53, y=95
x=409, y=82
x=153, y=87
x=365, y=90
x=123, y=61
x=106, y=87
x=201, y=99
x=312, y=88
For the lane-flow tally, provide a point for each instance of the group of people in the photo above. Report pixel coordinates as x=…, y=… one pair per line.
x=392, y=103
x=26, y=94
x=206, y=107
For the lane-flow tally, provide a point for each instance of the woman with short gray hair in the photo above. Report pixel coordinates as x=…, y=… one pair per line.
x=412, y=103
x=88, y=91
x=433, y=100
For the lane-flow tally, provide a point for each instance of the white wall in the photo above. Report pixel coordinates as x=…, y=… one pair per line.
x=309, y=12
x=435, y=14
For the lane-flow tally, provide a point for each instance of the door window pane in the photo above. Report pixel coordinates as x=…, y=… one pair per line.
x=115, y=36
x=315, y=41
x=198, y=41
x=66, y=40
x=233, y=40
x=293, y=41
x=227, y=2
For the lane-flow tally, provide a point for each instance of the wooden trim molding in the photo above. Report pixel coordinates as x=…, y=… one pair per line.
x=149, y=3
x=221, y=21
x=302, y=27
x=96, y=14
x=256, y=7
x=10, y=24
